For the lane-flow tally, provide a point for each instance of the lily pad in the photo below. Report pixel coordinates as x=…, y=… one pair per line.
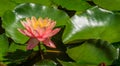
x=45, y=62
x=74, y=64
x=77, y=5
x=3, y=45
x=6, y=5
x=93, y=52
x=108, y=4
x=13, y=47
x=95, y=23
x=43, y=2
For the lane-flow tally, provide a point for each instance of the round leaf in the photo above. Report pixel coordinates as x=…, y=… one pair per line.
x=43, y=2
x=93, y=52
x=78, y=5
x=11, y=19
x=95, y=23
x=6, y=5
x=74, y=64
x=45, y=63
x=108, y=4
x=3, y=45
x=14, y=47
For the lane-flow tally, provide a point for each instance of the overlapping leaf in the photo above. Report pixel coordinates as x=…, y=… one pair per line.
x=13, y=47
x=6, y=5
x=93, y=52
x=95, y=23
x=3, y=45
x=10, y=4
x=77, y=5
x=74, y=64
x=108, y=4
x=16, y=54
x=43, y=2
x=45, y=63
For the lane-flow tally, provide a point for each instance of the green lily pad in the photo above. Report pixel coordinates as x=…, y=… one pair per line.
x=74, y=64
x=13, y=47
x=46, y=63
x=43, y=2
x=93, y=52
x=95, y=23
x=16, y=57
x=108, y=4
x=11, y=19
x=3, y=45
x=12, y=4
x=77, y=5
x=6, y=5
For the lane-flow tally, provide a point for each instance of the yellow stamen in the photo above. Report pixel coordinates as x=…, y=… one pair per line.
x=35, y=25
x=40, y=22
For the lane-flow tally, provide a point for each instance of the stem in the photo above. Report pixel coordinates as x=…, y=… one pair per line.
x=54, y=51
x=41, y=53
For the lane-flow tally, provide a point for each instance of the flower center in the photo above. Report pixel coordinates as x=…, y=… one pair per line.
x=40, y=23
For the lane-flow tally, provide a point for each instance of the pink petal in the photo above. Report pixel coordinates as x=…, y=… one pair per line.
x=54, y=32
x=40, y=38
x=49, y=43
x=23, y=23
x=28, y=33
x=32, y=43
x=33, y=19
x=47, y=33
x=31, y=31
x=21, y=31
x=36, y=34
x=40, y=31
x=51, y=26
x=29, y=21
x=26, y=26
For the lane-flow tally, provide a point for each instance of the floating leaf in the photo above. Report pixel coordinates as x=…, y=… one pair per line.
x=93, y=52
x=43, y=2
x=17, y=56
x=3, y=45
x=45, y=63
x=78, y=5
x=74, y=64
x=95, y=23
x=6, y=5
x=13, y=47
x=10, y=4
x=108, y=4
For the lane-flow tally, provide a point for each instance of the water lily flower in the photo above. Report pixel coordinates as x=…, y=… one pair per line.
x=39, y=30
